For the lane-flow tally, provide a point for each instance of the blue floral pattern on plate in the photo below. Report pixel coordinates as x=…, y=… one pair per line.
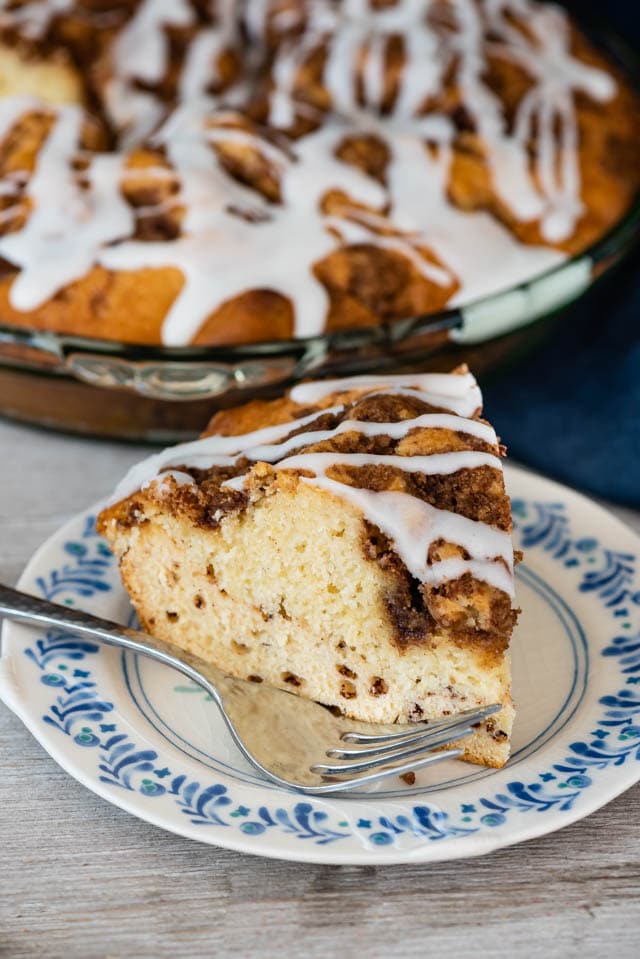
x=82, y=709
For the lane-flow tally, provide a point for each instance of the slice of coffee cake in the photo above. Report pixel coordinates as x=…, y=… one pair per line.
x=349, y=542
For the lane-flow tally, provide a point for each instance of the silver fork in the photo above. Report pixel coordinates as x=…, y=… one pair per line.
x=292, y=741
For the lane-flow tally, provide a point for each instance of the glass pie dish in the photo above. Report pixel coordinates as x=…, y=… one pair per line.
x=165, y=394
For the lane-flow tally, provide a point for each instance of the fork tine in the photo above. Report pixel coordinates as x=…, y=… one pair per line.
x=340, y=785
x=440, y=738
x=424, y=734
x=475, y=715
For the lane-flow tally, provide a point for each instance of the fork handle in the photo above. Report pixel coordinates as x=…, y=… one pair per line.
x=35, y=611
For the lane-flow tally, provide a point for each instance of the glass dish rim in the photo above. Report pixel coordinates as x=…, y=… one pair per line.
x=618, y=238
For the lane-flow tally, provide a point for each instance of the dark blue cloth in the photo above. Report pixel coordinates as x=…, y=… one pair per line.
x=571, y=408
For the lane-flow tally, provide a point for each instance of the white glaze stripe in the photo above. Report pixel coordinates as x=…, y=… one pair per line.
x=458, y=393
x=436, y=464
x=271, y=454
x=206, y=452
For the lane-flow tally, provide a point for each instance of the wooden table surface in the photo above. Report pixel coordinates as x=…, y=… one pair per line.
x=80, y=879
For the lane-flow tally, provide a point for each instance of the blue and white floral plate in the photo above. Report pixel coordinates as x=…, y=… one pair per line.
x=136, y=734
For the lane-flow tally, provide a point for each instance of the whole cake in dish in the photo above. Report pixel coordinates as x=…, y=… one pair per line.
x=218, y=172
x=349, y=542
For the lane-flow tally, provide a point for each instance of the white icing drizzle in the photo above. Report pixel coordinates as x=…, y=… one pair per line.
x=205, y=453
x=549, y=189
x=33, y=19
x=557, y=75
x=200, y=70
x=436, y=464
x=472, y=244
x=213, y=235
x=141, y=53
x=411, y=524
x=259, y=15
x=163, y=483
x=374, y=70
x=457, y=392
x=423, y=71
x=256, y=17
x=232, y=239
x=68, y=223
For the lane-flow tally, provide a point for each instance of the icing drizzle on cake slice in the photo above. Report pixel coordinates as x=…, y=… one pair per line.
x=412, y=525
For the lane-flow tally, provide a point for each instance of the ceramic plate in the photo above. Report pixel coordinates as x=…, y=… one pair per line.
x=135, y=733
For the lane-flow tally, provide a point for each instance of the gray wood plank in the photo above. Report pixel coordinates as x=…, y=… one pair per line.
x=80, y=879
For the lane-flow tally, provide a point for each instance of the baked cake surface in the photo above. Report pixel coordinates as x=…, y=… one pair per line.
x=267, y=169
x=349, y=542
